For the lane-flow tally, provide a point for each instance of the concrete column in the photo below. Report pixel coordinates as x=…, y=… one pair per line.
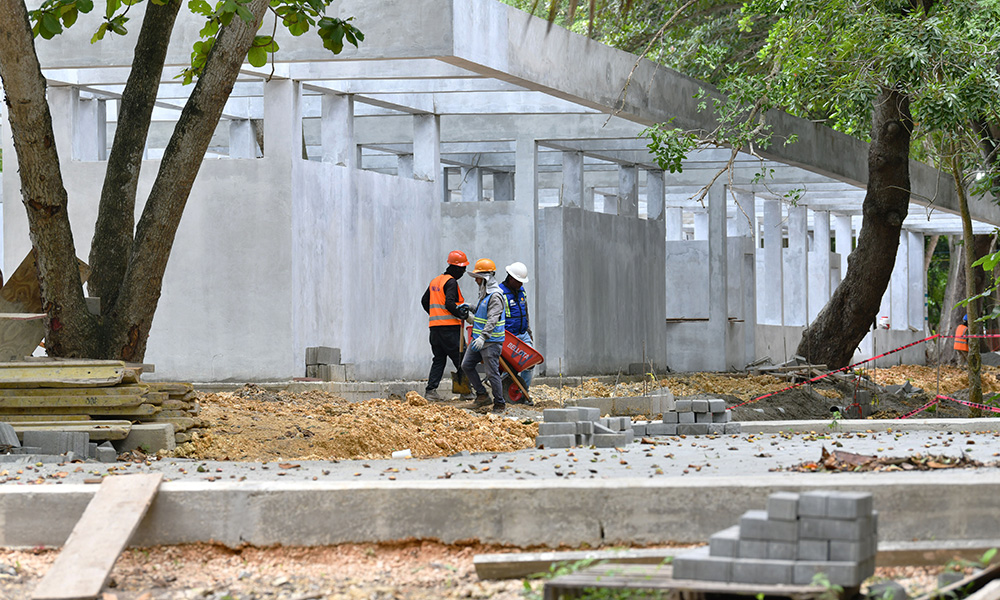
x=717, y=328
x=337, y=131
x=674, y=217
x=86, y=125
x=819, y=264
x=796, y=269
x=899, y=294
x=404, y=166
x=770, y=283
x=282, y=119
x=426, y=147
x=743, y=221
x=701, y=225
x=745, y=226
x=472, y=184
x=525, y=221
x=588, y=199
x=654, y=195
x=917, y=286
x=843, y=235
x=62, y=106
x=503, y=186
x=572, y=186
x=242, y=143
x=628, y=190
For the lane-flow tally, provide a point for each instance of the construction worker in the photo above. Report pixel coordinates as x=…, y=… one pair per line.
x=517, y=309
x=961, y=341
x=487, y=338
x=446, y=309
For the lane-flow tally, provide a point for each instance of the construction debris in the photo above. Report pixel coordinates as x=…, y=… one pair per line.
x=839, y=460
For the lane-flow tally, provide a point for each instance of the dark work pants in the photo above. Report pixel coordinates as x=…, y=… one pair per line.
x=490, y=356
x=444, y=345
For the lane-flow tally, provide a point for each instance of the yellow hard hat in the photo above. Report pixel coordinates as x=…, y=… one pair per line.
x=485, y=265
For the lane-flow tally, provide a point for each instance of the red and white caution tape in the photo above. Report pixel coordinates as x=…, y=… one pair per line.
x=972, y=404
x=922, y=408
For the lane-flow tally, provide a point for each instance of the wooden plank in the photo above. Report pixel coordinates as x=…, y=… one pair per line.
x=174, y=389
x=518, y=565
x=990, y=591
x=18, y=418
x=61, y=374
x=84, y=565
x=119, y=390
x=98, y=430
x=77, y=401
x=122, y=412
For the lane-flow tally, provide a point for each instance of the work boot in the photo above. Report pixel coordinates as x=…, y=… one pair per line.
x=468, y=397
x=498, y=409
x=433, y=396
x=482, y=401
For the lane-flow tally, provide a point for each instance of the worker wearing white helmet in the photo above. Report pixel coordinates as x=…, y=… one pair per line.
x=516, y=321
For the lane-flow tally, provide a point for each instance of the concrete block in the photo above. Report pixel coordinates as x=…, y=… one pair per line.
x=106, y=455
x=602, y=406
x=584, y=439
x=813, y=504
x=557, y=429
x=722, y=417
x=844, y=550
x=611, y=440
x=848, y=505
x=716, y=405
x=685, y=418
x=886, y=590
x=565, y=440
x=716, y=428
x=322, y=355
x=624, y=423
x=692, y=428
x=92, y=450
x=559, y=415
x=845, y=574
x=682, y=406
x=639, y=429
x=629, y=436
x=754, y=525
x=783, y=506
x=782, y=550
x=732, y=428
x=725, y=543
x=633, y=405
x=661, y=429
x=8, y=437
x=699, y=406
x=698, y=564
x=582, y=427
x=587, y=413
x=670, y=417
x=813, y=528
x=762, y=571
x=611, y=424
x=59, y=442
x=702, y=417
x=813, y=550
x=602, y=428
x=148, y=437
x=24, y=450
x=752, y=549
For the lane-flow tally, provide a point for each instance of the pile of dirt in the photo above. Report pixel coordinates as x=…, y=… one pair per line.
x=253, y=424
x=952, y=380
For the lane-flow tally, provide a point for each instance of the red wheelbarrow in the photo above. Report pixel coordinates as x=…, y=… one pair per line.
x=515, y=356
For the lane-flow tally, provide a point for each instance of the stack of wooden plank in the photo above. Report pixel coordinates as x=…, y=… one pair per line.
x=100, y=397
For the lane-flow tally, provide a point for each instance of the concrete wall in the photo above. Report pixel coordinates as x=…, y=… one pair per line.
x=603, y=293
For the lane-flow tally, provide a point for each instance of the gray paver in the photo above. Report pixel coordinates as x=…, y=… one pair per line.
x=557, y=428
x=698, y=564
x=661, y=429
x=59, y=442
x=732, y=428
x=588, y=413
x=702, y=417
x=813, y=504
x=670, y=417
x=848, y=505
x=639, y=429
x=566, y=440
x=602, y=428
x=682, y=406
x=716, y=428
x=754, y=525
x=752, y=548
x=692, y=428
x=783, y=506
x=716, y=405
x=699, y=405
x=611, y=440
x=814, y=550
x=722, y=417
x=725, y=543
x=762, y=571
x=685, y=418
x=559, y=415
x=782, y=550
x=582, y=427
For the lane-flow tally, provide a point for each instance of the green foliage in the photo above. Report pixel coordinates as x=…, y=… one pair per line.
x=670, y=146
x=591, y=593
x=298, y=16
x=937, y=281
x=832, y=590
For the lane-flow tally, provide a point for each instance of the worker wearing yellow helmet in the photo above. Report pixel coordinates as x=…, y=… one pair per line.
x=487, y=338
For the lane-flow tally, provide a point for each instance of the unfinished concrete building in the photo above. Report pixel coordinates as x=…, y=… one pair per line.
x=337, y=185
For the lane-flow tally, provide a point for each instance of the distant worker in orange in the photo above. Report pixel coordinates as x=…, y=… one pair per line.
x=446, y=309
x=962, y=342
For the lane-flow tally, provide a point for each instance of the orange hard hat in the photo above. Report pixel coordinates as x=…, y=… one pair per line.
x=485, y=265
x=458, y=258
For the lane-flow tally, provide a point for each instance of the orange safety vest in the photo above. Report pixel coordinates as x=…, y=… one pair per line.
x=961, y=342
x=439, y=315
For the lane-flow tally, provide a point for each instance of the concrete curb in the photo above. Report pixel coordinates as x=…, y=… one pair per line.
x=913, y=506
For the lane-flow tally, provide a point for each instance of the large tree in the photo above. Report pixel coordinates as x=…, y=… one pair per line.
x=128, y=260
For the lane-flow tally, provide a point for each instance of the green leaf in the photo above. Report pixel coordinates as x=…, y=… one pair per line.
x=257, y=56
x=200, y=7
x=99, y=34
x=245, y=14
x=50, y=25
x=112, y=8
x=69, y=16
x=84, y=6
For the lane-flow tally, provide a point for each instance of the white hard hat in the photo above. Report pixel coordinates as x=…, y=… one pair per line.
x=518, y=271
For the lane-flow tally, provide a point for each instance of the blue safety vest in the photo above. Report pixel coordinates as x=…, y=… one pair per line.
x=479, y=321
x=516, y=310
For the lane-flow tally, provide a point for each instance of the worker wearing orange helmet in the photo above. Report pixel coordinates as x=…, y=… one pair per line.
x=446, y=309
x=488, y=325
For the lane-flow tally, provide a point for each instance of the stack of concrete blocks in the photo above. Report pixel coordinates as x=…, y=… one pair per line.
x=656, y=402
x=697, y=417
x=323, y=362
x=62, y=445
x=797, y=537
x=582, y=426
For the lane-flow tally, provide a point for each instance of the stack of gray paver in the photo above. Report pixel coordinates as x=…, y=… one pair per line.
x=698, y=417
x=582, y=426
x=798, y=536
x=52, y=446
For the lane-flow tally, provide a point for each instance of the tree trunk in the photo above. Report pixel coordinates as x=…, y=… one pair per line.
x=975, y=363
x=132, y=315
x=112, y=242
x=71, y=328
x=929, y=253
x=847, y=317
